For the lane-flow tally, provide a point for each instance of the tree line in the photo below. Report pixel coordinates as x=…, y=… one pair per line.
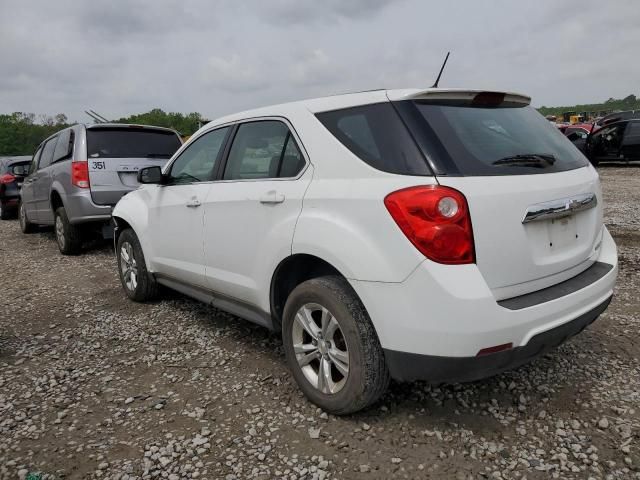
x=629, y=102
x=21, y=133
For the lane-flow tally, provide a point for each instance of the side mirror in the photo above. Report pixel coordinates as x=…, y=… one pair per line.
x=20, y=170
x=150, y=175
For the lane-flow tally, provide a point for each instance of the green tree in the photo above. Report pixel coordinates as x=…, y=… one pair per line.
x=20, y=134
x=186, y=124
x=630, y=102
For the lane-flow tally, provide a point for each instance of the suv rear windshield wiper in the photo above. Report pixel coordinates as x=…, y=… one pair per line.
x=537, y=160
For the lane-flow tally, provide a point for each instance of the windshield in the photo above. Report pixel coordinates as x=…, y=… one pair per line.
x=470, y=140
x=131, y=143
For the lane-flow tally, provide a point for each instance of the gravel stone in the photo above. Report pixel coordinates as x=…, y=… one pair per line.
x=95, y=386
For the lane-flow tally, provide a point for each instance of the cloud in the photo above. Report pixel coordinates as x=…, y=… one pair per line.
x=292, y=12
x=122, y=57
x=315, y=68
x=233, y=74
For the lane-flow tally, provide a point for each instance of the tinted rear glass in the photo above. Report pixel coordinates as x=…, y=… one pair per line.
x=376, y=134
x=466, y=140
x=131, y=143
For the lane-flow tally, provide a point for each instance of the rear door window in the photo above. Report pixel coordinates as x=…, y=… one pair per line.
x=47, y=153
x=376, y=135
x=131, y=142
x=65, y=140
x=263, y=149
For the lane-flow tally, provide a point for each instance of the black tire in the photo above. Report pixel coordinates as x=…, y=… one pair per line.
x=5, y=212
x=145, y=287
x=68, y=236
x=25, y=225
x=368, y=376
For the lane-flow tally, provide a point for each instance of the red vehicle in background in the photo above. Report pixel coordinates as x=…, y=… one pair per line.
x=581, y=130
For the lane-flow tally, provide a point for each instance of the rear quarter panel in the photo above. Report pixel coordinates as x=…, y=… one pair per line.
x=344, y=220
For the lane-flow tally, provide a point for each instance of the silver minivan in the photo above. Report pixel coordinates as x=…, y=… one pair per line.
x=78, y=174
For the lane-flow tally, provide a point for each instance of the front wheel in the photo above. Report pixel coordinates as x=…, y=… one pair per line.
x=138, y=283
x=331, y=346
x=25, y=225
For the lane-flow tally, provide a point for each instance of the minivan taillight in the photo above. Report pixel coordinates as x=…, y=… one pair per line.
x=436, y=220
x=80, y=174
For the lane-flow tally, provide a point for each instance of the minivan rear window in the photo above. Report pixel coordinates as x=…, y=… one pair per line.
x=131, y=143
x=505, y=140
x=375, y=133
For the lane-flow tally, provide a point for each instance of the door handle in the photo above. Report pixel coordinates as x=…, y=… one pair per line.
x=272, y=197
x=193, y=203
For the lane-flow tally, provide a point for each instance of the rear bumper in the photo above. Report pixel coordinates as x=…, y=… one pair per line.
x=81, y=209
x=410, y=366
x=10, y=200
x=448, y=311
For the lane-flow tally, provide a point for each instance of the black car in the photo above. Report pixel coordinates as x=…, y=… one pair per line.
x=12, y=173
x=617, y=116
x=616, y=141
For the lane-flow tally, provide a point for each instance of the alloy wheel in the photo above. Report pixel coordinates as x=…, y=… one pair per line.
x=128, y=266
x=320, y=348
x=60, y=232
x=22, y=217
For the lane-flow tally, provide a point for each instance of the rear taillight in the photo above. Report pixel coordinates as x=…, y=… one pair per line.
x=436, y=220
x=80, y=174
x=7, y=178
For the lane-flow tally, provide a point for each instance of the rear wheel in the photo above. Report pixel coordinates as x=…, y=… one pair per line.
x=25, y=226
x=331, y=346
x=67, y=235
x=138, y=283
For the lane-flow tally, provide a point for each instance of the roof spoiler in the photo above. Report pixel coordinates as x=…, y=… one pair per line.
x=477, y=98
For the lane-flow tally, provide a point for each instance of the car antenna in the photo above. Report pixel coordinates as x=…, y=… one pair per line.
x=99, y=116
x=95, y=119
x=435, y=85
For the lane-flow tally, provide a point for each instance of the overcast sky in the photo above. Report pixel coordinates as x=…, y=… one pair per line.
x=217, y=57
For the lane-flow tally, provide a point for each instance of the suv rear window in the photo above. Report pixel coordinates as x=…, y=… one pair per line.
x=376, y=134
x=131, y=143
x=479, y=140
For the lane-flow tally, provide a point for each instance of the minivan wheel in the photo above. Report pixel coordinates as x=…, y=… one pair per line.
x=331, y=346
x=138, y=283
x=25, y=226
x=67, y=235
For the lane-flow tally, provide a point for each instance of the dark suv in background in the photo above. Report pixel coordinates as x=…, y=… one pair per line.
x=12, y=173
x=78, y=174
x=617, y=141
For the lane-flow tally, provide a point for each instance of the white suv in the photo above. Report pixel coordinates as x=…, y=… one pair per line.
x=436, y=234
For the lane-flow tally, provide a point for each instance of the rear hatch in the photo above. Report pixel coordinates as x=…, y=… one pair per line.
x=534, y=199
x=115, y=154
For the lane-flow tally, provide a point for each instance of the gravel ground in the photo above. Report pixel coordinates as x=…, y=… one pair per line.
x=95, y=386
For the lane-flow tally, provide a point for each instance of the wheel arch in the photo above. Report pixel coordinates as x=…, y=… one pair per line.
x=291, y=272
x=55, y=200
x=123, y=222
